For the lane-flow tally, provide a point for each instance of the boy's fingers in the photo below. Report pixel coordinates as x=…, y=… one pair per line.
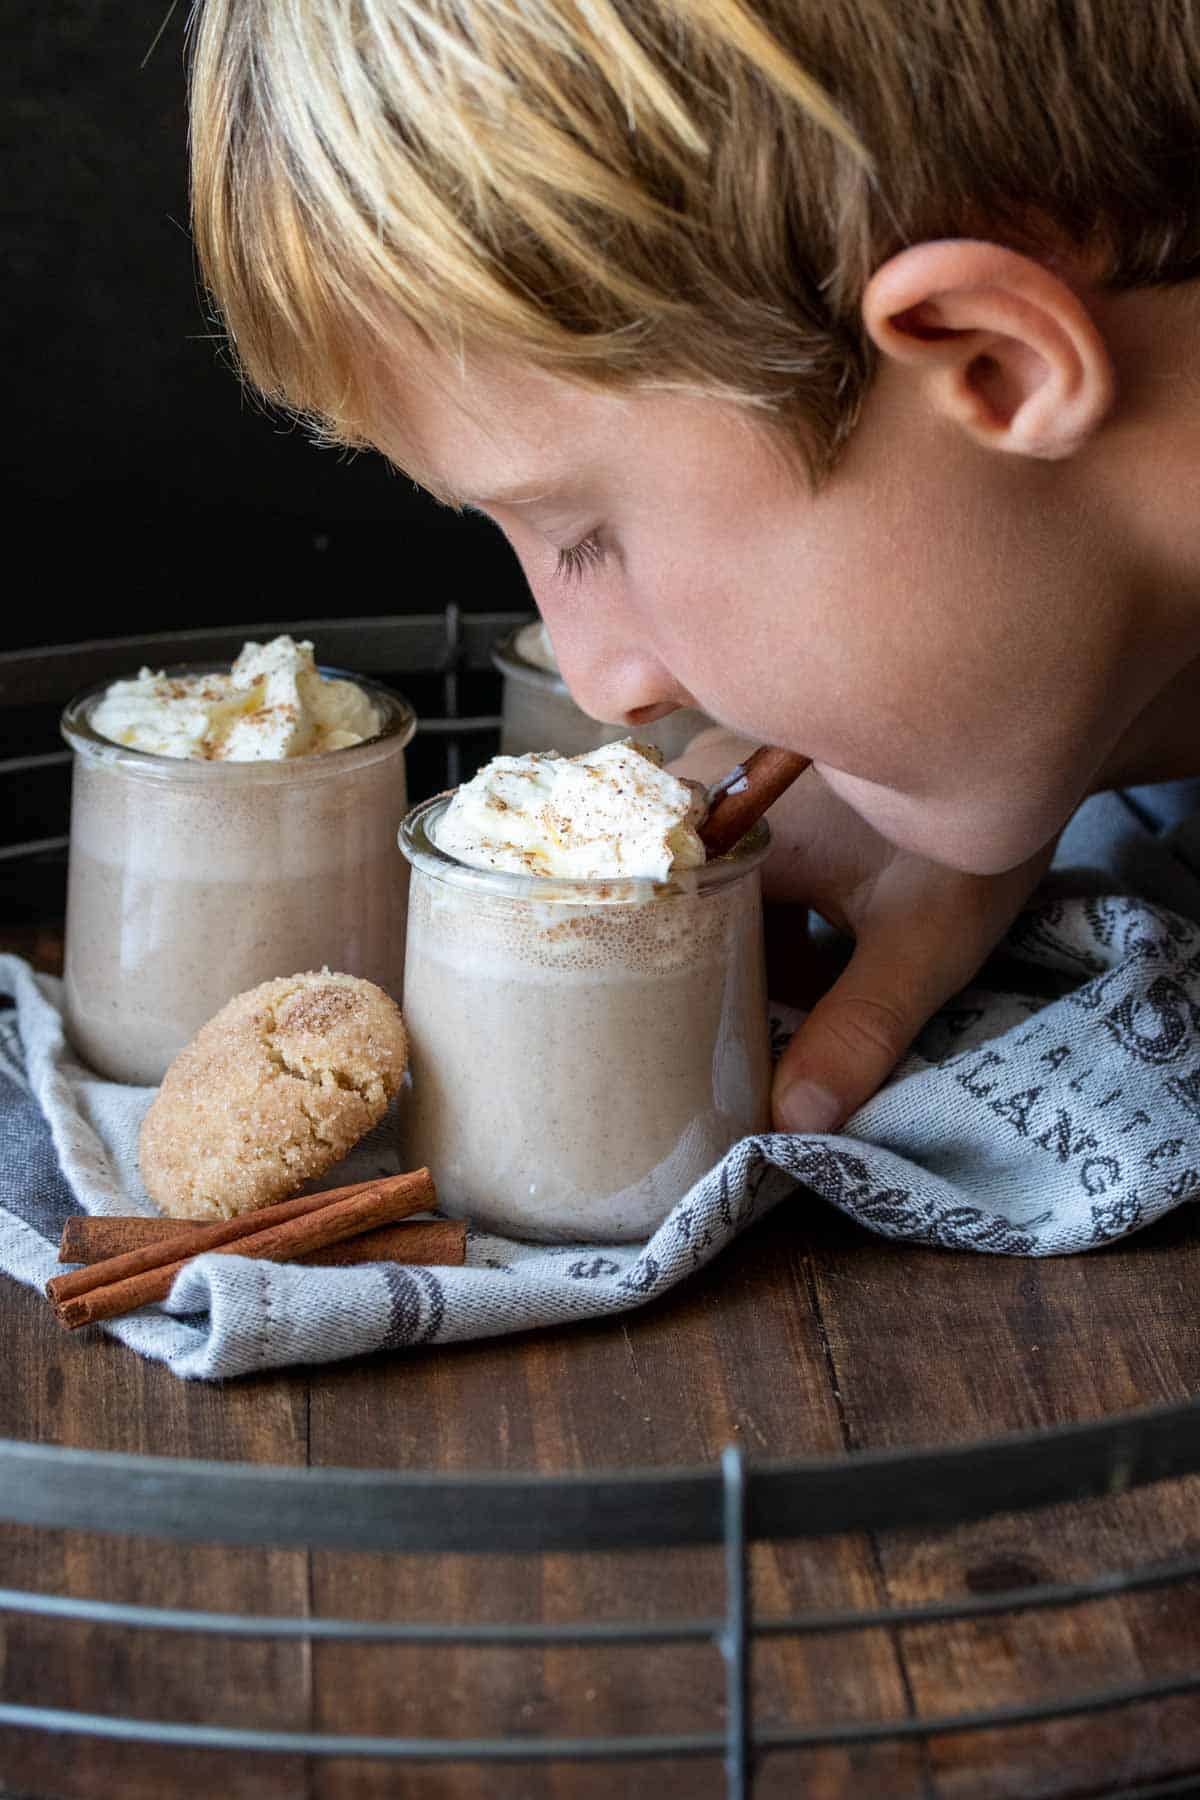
x=919, y=944
x=846, y=1048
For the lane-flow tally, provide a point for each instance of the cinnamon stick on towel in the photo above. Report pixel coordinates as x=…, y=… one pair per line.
x=740, y=798
x=279, y=1233
x=94, y=1237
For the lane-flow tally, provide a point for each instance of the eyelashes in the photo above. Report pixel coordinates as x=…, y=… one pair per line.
x=576, y=559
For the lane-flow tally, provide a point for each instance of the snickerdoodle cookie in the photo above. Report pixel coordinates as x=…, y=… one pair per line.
x=277, y=1087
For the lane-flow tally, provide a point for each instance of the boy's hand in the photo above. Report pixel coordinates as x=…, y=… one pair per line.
x=921, y=931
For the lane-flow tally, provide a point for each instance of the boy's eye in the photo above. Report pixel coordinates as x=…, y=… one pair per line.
x=575, y=559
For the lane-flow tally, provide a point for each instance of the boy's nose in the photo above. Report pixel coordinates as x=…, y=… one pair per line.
x=622, y=687
x=646, y=715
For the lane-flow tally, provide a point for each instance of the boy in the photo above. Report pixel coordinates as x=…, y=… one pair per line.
x=829, y=367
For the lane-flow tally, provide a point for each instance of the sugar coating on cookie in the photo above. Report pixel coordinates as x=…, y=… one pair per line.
x=277, y=1087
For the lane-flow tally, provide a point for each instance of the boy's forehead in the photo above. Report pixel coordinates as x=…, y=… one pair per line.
x=475, y=469
x=480, y=432
x=485, y=432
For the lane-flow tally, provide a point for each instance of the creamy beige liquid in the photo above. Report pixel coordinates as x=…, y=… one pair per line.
x=577, y=1068
x=191, y=884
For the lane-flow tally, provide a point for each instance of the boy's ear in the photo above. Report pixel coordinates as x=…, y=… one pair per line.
x=1005, y=348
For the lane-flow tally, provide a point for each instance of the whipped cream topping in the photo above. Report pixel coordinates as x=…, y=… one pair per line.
x=273, y=704
x=612, y=812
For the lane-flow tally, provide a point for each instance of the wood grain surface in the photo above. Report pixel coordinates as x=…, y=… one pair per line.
x=808, y=1337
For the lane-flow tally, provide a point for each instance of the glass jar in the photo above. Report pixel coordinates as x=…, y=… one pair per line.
x=582, y=1051
x=538, y=713
x=190, y=881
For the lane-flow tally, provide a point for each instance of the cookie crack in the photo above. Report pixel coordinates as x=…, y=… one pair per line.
x=341, y=1078
x=314, y=1124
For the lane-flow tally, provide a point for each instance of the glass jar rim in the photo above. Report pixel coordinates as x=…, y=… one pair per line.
x=425, y=854
x=399, y=724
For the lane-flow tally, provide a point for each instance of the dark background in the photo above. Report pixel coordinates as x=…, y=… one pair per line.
x=144, y=491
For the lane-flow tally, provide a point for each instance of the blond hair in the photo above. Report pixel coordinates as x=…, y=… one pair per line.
x=680, y=191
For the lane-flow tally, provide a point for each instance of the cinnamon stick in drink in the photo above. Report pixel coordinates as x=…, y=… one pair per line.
x=279, y=1233
x=740, y=798
x=88, y=1238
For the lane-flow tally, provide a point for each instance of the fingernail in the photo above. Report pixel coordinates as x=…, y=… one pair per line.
x=806, y=1106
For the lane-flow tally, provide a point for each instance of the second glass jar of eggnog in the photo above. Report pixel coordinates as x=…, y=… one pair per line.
x=226, y=826
x=584, y=1046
